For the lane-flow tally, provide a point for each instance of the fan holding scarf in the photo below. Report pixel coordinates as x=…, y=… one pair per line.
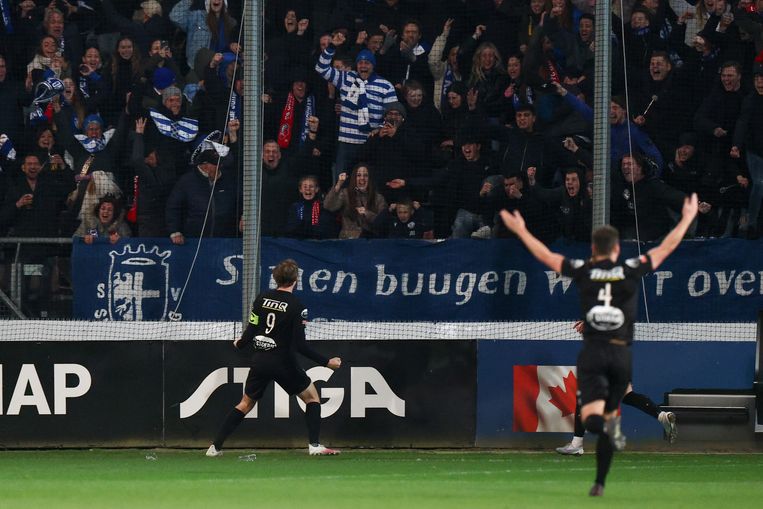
x=363, y=96
x=287, y=114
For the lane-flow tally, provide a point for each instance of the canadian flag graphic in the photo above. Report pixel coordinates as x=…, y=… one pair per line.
x=544, y=398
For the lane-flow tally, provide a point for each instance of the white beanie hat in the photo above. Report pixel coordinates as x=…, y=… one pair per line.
x=207, y=4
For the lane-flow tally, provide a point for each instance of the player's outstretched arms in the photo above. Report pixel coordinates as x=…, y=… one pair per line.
x=516, y=223
x=673, y=239
x=334, y=363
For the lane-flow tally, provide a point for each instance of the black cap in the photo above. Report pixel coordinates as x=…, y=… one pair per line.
x=688, y=138
x=207, y=156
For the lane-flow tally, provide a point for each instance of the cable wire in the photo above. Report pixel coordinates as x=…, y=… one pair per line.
x=630, y=151
x=224, y=130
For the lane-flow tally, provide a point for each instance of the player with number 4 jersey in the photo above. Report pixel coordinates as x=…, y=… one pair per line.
x=608, y=292
x=274, y=335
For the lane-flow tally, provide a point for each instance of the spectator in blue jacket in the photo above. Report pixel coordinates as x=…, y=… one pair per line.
x=620, y=128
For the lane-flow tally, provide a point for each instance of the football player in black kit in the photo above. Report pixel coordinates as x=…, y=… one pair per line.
x=608, y=296
x=276, y=330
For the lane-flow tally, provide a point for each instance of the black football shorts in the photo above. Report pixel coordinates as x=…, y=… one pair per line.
x=285, y=372
x=604, y=372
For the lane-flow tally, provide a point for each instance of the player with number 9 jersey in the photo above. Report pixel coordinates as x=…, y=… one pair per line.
x=274, y=334
x=276, y=326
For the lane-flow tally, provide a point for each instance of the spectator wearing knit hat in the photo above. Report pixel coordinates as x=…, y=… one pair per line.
x=171, y=130
x=161, y=79
x=363, y=96
x=96, y=156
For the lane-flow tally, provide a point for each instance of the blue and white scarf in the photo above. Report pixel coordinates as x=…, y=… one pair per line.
x=184, y=130
x=309, y=109
x=6, y=10
x=235, y=107
x=6, y=148
x=640, y=32
x=447, y=81
x=44, y=92
x=94, y=145
x=84, y=83
x=516, y=101
x=357, y=100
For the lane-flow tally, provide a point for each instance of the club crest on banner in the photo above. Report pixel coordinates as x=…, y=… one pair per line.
x=138, y=285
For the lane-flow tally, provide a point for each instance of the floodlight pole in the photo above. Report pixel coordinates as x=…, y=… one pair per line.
x=602, y=93
x=254, y=56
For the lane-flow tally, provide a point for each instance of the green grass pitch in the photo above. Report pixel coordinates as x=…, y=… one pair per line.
x=372, y=479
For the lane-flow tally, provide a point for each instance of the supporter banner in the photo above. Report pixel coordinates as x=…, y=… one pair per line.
x=389, y=280
x=387, y=394
x=146, y=279
x=541, y=378
x=80, y=394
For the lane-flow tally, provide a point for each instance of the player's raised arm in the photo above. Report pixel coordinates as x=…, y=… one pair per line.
x=671, y=241
x=516, y=223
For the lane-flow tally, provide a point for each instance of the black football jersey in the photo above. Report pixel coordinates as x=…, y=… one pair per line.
x=276, y=325
x=608, y=295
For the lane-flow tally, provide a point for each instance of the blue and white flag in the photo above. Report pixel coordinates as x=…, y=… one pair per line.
x=184, y=130
x=94, y=145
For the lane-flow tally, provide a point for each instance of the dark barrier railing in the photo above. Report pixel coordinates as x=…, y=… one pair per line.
x=13, y=295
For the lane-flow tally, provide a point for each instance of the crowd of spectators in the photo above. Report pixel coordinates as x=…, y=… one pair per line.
x=418, y=118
